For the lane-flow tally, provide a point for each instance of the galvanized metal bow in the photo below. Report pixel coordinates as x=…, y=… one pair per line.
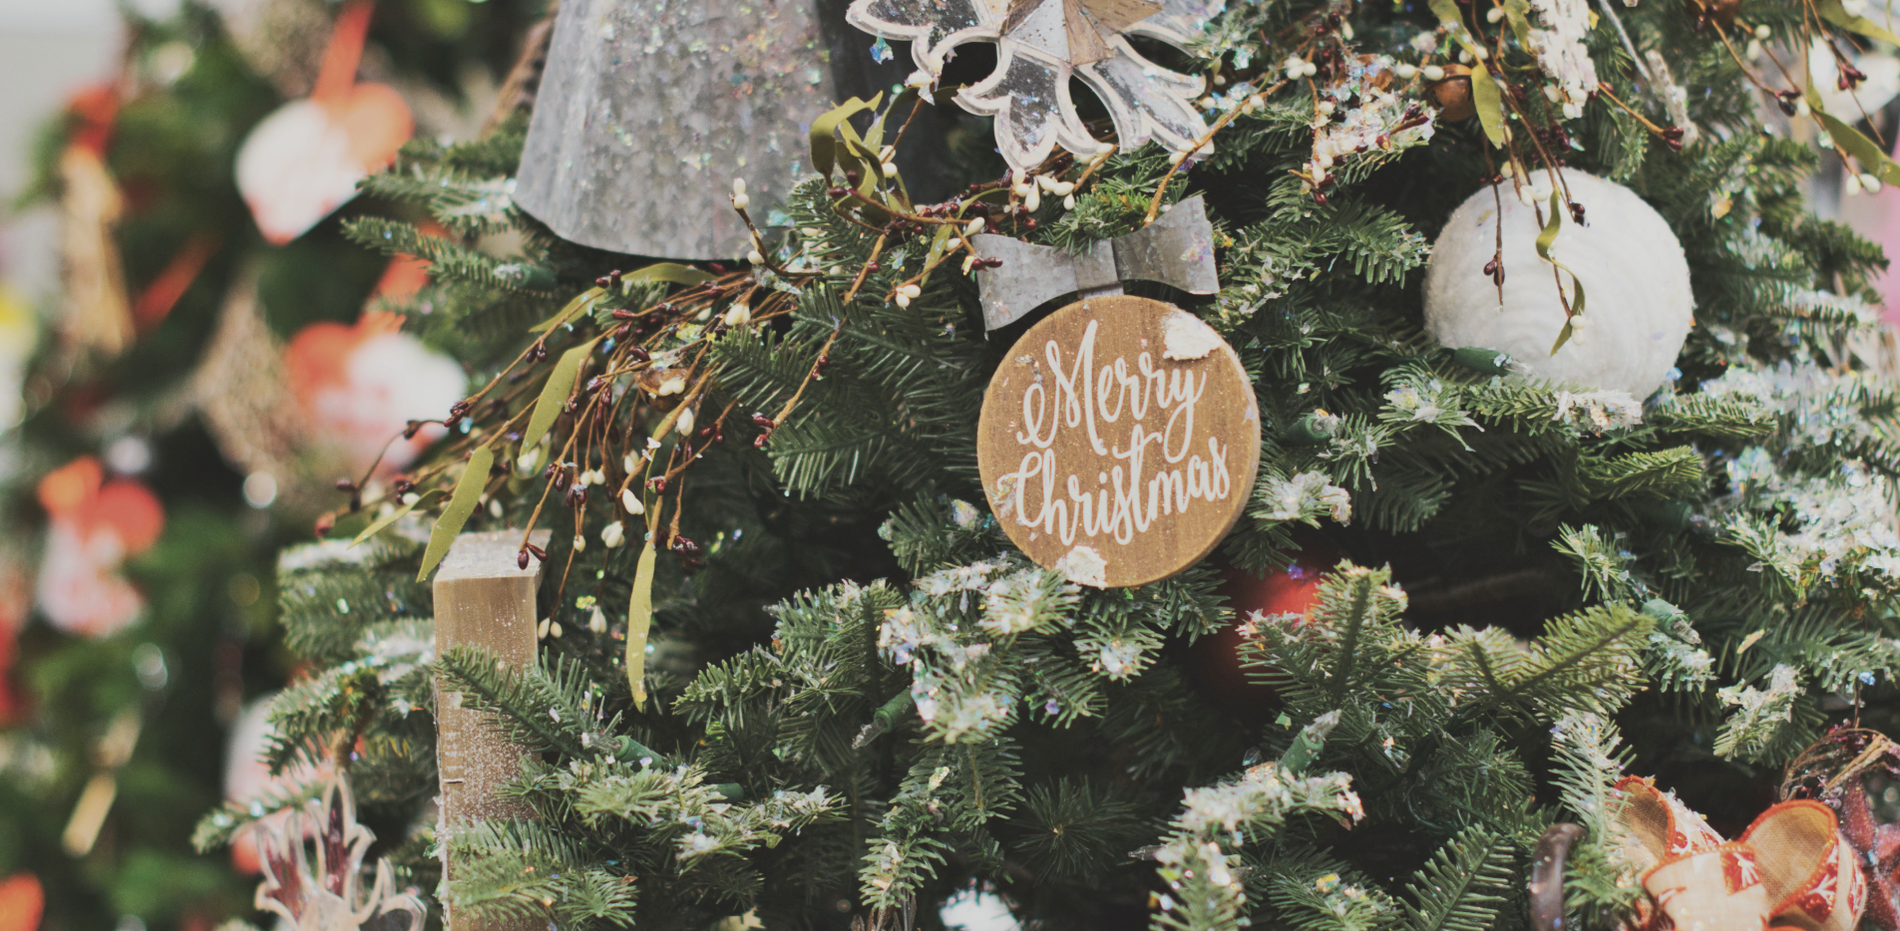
x=1177, y=249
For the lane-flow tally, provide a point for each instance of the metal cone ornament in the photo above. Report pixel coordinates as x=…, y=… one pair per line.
x=649, y=108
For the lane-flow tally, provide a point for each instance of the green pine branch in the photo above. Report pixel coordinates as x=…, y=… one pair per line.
x=1460, y=888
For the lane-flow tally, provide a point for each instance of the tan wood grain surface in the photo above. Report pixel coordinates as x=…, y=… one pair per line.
x=1119, y=441
x=484, y=599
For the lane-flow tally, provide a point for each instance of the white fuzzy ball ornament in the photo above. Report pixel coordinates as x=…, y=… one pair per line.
x=1638, y=304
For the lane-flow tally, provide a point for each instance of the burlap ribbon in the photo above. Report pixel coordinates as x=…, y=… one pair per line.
x=1792, y=868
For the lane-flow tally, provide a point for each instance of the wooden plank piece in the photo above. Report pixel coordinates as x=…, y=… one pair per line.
x=483, y=599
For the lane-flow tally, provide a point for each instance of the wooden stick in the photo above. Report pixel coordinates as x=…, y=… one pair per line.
x=481, y=599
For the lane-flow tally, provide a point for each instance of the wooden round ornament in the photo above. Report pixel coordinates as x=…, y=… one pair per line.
x=1119, y=440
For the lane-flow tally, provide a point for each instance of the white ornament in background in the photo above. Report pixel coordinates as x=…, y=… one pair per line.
x=19, y=335
x=81, y=590
x=362, y=385
x=247, y=776
x=1040, y=45
x=303, y=161
x=1638, y=307
x=977, y=910
x=392, y=379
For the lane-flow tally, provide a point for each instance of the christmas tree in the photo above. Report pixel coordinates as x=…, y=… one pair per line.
x=142, y=539
x=809, y=659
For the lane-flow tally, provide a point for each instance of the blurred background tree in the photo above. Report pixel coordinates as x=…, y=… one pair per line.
x=143, y=518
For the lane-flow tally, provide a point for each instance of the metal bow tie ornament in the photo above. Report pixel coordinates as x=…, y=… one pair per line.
x=1177, y=249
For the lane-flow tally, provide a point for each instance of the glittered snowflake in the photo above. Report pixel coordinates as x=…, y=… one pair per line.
x=313, y=871
x=1040, y=45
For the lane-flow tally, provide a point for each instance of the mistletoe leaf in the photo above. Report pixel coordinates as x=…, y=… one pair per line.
x=639, y=620
x=582, y=302
x=1834, y=13
x=1848, y=139
x=1563, y=336
x=554, y=393
x=1552, y=227
x=468, y=493
x=1490, y=102
x=379, y=523
x=824, y=132
x=1516, y=11
x=937, y=244
x=671, y=273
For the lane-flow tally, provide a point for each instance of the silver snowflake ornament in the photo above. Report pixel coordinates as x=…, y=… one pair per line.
x=1040, y=45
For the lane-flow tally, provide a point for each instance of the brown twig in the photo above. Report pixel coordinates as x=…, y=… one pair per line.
x=864, y=272
x=1161, y=189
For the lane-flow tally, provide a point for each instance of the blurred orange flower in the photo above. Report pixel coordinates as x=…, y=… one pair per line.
x=95, y=525
x=21, y=902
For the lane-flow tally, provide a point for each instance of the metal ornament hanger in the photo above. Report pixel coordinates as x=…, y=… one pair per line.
x=1120, y=436
x=1177, y=249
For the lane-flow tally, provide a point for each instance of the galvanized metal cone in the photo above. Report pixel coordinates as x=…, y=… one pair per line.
x=649, y=108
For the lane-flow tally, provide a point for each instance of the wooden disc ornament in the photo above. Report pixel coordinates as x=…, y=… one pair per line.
x=1119, y=440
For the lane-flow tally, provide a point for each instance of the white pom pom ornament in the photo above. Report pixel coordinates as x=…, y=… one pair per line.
x=1635, y=278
